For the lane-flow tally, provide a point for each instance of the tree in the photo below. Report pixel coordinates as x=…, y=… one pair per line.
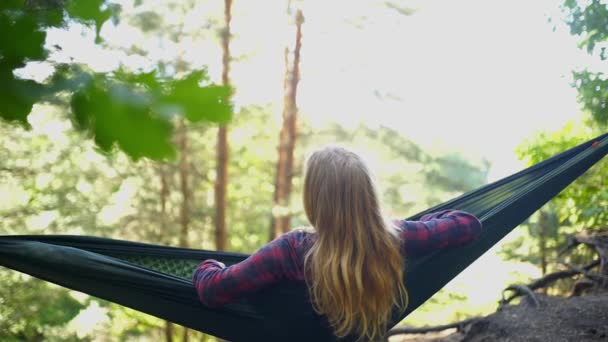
x=222, y=141
x=184, y=181
x=582, y=203
x=287, y=136
x=589, y=20
x=579, y=207
x=162, y=233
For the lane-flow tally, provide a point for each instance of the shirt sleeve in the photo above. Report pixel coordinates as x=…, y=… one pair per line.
x=217, y=284
x=439, y=230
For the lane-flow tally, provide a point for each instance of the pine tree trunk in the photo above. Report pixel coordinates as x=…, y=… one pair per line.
x=164, y=194
x=287, y=138
x=542, y=225
x=221, y=181
x=184, y=171
x=278, y=167
x=168, y=331
x=162, y=231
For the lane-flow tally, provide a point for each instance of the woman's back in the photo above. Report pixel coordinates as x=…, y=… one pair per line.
x=281, y=262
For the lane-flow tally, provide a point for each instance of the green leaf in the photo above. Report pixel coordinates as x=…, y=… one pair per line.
x=94, y=11
x=29, y=45
x=18, y=97
x=199, y=102
x=118, y=116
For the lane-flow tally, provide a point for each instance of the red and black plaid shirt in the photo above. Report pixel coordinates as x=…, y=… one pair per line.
x=282, y=259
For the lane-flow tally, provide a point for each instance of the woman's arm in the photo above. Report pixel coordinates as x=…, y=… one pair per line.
x=217, y=284
x=439, y=230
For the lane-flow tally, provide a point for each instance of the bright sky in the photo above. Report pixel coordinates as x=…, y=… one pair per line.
x=474, y=75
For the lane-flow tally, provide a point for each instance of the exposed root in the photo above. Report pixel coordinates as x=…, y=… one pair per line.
x=520, y=289
x=423, y=330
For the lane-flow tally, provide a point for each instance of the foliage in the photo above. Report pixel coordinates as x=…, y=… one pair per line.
x=411, y=179
x=583, y=203
x=48, y=309
x=581, y=206
x=52, y=180
x=589, y=20
x=109, y=106
x=253, y=137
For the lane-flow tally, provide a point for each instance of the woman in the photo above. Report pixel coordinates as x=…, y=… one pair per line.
x=352, y=259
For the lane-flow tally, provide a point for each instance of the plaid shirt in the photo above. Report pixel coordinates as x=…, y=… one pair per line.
x=282, y=259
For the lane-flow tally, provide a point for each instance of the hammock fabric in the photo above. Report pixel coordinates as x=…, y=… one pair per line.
x=157, y=279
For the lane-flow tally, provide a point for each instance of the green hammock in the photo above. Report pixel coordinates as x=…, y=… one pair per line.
x=156, y=279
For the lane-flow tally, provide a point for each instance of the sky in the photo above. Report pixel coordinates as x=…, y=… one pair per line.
x=474, y=75
x=477, y=76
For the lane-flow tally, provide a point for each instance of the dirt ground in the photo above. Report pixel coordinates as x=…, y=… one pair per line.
x=557, y=319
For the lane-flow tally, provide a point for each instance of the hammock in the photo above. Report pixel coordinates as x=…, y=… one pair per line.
x=157, y=279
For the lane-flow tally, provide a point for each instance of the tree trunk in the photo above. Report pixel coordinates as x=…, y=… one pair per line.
x=185, y=336
x=162, y=232
x=184, y=171
x=542, y=225
x=287, y=138
x=164, y=194
x=168, y=331
x=221, y=181
x=275, y=199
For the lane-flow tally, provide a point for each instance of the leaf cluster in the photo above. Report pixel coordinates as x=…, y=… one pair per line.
x=589, y=20
x=48, y=309
x=128, y=110
x=581, y=206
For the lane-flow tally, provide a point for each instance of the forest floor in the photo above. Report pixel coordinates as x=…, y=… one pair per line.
x=554, y=319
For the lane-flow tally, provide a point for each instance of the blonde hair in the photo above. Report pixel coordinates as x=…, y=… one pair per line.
x=354, y=267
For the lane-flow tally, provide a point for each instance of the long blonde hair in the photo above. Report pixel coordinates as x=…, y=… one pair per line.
x=354, y=267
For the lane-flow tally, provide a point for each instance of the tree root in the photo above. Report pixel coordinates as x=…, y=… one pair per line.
x=544, y=281
x=460, y=325
x=599, y=278
x=599, y=242
x=518, y=289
